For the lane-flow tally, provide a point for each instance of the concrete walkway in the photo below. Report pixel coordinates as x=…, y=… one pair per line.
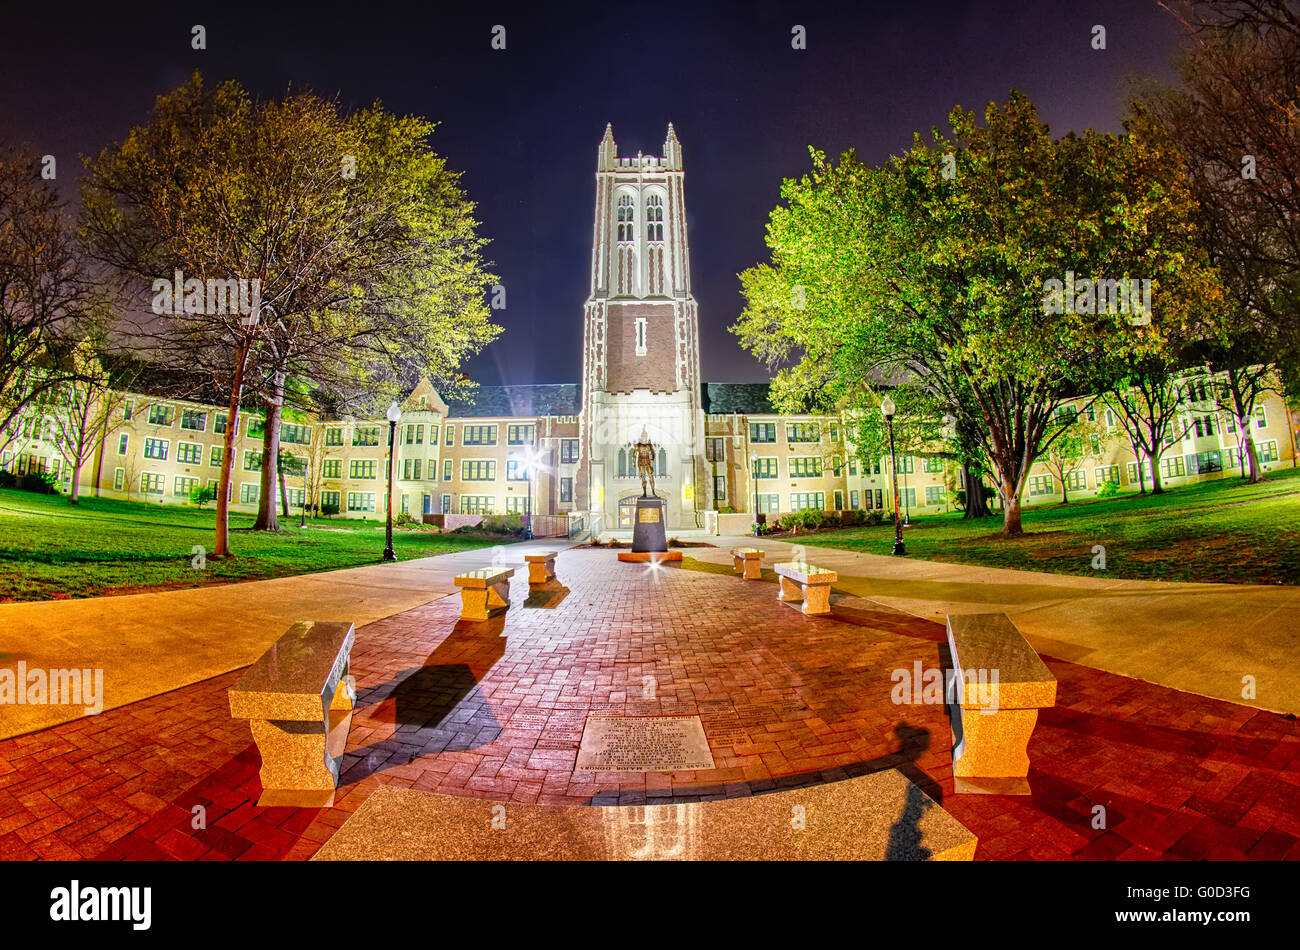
x=1201, y=638
x=151, y=643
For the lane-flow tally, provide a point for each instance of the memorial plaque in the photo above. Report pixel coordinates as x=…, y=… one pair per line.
x=644, y=744
x=648, y=515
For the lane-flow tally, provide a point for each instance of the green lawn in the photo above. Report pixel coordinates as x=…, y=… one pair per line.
x=1223, y=531
x=50, y=548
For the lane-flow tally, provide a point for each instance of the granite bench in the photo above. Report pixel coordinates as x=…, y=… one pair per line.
x=749, y=562
x=484, y=592
x=541, y=566
x=998, y=684
x=805, y=586
x=298, y=700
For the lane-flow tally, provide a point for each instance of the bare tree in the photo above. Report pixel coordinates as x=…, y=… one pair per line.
x=86, y=410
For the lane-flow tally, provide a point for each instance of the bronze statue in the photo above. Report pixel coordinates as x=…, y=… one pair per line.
x=644, y=454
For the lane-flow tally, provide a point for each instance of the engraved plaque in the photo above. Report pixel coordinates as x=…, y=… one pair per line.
x=644, y=744
x=648, y=515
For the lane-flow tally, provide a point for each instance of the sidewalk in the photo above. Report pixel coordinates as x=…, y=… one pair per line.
x=1201, y=638
x=152, y=643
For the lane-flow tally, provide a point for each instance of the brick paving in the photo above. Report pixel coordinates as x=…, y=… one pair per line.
x=496, y=710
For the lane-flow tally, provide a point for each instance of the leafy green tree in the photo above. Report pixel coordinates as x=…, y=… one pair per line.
x=935, y=268
x=1069, y=443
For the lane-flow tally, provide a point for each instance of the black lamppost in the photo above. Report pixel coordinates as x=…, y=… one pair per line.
x=394, y=414
x=887, y=410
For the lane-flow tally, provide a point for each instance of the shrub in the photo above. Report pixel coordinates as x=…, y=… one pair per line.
x=1109, y=490
x=201, y=496
x=329, y=509
x=510, y=523
x=404, y=519
x=38, y=482
x=875, y=516
x=8, y=479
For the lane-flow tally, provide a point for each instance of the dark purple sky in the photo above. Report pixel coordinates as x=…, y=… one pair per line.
x=523, y=124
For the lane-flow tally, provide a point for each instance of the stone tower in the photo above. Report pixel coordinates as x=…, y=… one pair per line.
x=641, y=362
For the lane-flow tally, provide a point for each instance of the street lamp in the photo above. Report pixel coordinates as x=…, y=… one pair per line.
x=530, y=457
x=887, y=410
x=394, y=414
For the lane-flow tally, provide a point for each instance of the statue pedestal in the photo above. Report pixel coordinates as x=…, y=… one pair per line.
x=649, y=539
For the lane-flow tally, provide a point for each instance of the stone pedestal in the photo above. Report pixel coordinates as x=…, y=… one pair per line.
x=648, y=533
x=484, y=592
x=541, y=567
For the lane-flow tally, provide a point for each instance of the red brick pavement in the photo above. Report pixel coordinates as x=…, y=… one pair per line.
x=496, y=710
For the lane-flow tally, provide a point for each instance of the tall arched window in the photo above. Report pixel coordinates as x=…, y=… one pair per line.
x=626, y=218
x=663, y=463
x=654, y=216
x=622, y=463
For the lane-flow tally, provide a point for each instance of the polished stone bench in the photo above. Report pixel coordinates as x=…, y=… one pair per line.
x=805, y=586
x=881, y=816
x=298, y=700
x=749, y=562
x=998, y=683
x=484, y=592
x=541, y=566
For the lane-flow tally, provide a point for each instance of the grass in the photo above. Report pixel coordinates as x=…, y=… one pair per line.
x=52, y=549
x=1224, y=531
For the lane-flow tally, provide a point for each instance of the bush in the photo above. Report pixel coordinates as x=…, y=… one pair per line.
x=404, y=519
x=1109, y=490
x=201, y=496
x=38, y=482
x=8, y=479
x=807, y=518
x=511, y=523
x=875, y=516
x=329, y=509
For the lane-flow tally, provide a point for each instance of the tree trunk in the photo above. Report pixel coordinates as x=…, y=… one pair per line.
x=221, y=546
x=1011, y=526
x=977, y=503
x=284, y=497
x=1256, y=473
x=266, y=516
x=1065, y=493
x=76, y=484
x=1156, y=487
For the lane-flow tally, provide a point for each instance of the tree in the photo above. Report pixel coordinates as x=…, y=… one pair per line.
x=86, y=410
x=1148, y=403
x=1069, y=442
x=1236, y=375
x=1234, y=121
x=951, y=265
x=45, y=288
x=335, y=233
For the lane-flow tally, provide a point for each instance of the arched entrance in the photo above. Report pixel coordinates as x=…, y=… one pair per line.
x=627, y=511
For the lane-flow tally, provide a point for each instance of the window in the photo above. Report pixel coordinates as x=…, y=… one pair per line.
x=122, y=441
x=446, y=470
x=415, y=434
x=835, y=432
x=654, y=216
x=762, y=432
x=331, y=468
x=477, y=504
x=770, y=503
x=1261, y=418
x=219, y=423
x=297, y=497
x=126, y=411
x=569, y=450
x=906, y=465
x=451, y=434
x=1042, y=485
x=1211, y=461
x=853, y=466
x=151, y=484
x=195, y=419
x=214, y=457
x=256, y=427
x=805, y=466
x=361, y=468
x=329, y=498
x=1109, y=473
x=517, y=504
x=719, y=489
x=853, y=498
x=1095, y=441
x=1077, y=480
x=803, y=432
x=1132, y=468
x=566, y=490
x=815, y=500
x=521, y=434
x=880, y=496
x=479, y=435
x=715, y=450
x=183, y=485
x=626, y=218
x=1172, y=467
x=839, y=501
x=252, y=461
x=766, y=468
x=361, y=501
x=119, y=479
x=908, y=496
x=334, y=436
x=365, y=435
x=189, y=453
x=478, y=470
x=433, y=435
x=248, y=492
x=516, y=471
x=156, y=449
x=933, y=495
x=1268, y=451
x=933, y=463
x=411, y=469
x=639, y=329
x=295, y=434
x=160, y=416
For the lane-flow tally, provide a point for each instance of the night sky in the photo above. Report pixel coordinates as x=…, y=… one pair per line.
x=523, y=124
